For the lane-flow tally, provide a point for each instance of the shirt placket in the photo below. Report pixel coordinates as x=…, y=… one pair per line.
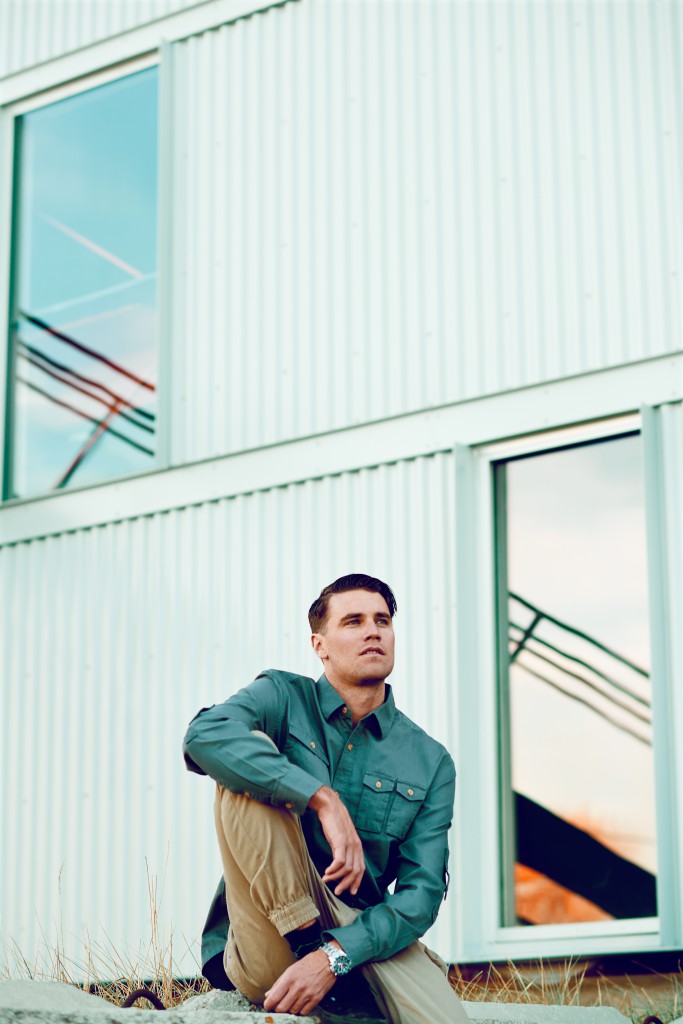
x=348, y=773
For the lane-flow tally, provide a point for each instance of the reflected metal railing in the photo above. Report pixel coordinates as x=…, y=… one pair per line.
x=616, y=689
x=116, y=405
x=581, y=679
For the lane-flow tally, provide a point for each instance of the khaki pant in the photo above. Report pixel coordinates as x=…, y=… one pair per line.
x=273, y=887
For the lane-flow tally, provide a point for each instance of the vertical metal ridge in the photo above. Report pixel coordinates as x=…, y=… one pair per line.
x=31, y=33
x=514, y=123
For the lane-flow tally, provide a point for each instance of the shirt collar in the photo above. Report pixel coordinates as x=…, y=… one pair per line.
x=330, y=702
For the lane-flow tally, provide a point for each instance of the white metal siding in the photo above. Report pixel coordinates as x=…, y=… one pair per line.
x=384, y=206
x=33, y=31
x=114, y=637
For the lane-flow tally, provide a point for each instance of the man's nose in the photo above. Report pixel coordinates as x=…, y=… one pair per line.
x=372, y=630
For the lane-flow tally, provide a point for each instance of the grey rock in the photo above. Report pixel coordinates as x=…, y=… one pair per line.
x=52, y=1002
x=46, y=995
x=231, y=1002
x=213, y=1007
x=540, y=1013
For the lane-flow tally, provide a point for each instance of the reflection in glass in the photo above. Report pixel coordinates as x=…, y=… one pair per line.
x=578, y=784
x=84, y=332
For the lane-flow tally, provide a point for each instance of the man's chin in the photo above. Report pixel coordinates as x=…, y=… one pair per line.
x=374, y=675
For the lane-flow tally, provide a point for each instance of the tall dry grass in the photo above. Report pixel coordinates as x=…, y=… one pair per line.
x=571, y=983
x=105, y=970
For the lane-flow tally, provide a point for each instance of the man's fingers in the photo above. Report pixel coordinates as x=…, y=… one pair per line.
x=301, y=986
x=336, y=869
x=350, y=877
x=349, y=882
x=276, y=996
x=348, y=872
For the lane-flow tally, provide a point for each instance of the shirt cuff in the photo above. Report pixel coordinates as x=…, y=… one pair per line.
x=354, y=940
x=295, y=788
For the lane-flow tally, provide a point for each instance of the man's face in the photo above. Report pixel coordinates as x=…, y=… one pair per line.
x=356, y=643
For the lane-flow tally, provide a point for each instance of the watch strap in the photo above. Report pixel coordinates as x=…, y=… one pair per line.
x=339, y=962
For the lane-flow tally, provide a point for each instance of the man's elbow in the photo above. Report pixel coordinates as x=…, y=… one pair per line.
x=191, y=764
x=191, y=749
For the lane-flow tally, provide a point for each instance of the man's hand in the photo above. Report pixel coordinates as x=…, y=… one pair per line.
x=301, y=986
x=348, y=863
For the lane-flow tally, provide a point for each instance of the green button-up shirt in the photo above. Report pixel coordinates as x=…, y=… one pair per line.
x=397, y=783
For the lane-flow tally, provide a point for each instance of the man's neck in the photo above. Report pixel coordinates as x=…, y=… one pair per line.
x=360, y=698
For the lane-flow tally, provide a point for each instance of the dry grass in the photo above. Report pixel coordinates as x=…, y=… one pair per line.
x=107, y=972
x=571, y=983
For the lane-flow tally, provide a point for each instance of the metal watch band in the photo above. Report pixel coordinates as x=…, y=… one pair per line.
x=339, y=962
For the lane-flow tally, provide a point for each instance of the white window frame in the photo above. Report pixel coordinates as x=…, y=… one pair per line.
x=77, y=71
x=9, y=170
x=479, y=934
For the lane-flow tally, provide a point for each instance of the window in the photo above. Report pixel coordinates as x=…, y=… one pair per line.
x=83, y=333
x=577, y=769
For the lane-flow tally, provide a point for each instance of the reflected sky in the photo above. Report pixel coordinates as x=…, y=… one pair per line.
x=576, y=549
x=86, y=253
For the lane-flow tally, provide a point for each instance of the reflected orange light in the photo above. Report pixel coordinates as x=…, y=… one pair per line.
x=539, y=900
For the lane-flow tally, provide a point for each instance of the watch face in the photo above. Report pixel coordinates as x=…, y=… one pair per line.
x=342, y=964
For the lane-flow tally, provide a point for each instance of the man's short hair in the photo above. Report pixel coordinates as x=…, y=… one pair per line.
x=317, y=613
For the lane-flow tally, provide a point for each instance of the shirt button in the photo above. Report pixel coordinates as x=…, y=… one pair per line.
x=411, y=792
x=312, y=745
x=378, y=784
x=345, y=711
x=288, y=806
x=350, y=746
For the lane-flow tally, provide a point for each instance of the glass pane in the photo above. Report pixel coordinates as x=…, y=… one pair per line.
x=85, y=298
x=579, y=793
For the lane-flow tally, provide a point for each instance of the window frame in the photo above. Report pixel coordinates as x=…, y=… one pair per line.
x=9, y=198
x=479, y=835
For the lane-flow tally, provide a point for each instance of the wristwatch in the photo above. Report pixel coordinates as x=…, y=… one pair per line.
x=340, y=963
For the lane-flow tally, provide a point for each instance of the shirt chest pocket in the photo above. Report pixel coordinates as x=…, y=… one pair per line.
x=387, y=805
x=407, y=801
x=304, y=750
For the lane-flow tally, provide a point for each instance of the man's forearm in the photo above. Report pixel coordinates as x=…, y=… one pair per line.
x=347, y=866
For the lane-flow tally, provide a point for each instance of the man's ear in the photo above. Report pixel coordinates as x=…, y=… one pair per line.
x=318, y=645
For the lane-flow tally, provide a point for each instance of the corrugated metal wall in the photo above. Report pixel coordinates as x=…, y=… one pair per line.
x=33, y=31
x=114, y=637
x=385, y=206
x=377, y=207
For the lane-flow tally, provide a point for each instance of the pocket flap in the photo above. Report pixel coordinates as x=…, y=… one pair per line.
x=378, y=782
x=410, y=791
x=305, y=736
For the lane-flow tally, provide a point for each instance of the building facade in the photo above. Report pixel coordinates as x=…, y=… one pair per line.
x=307, y=288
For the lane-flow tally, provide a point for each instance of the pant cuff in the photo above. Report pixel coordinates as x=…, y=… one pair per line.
x=286, y=919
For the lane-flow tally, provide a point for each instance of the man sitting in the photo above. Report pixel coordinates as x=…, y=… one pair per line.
x=326, y=795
